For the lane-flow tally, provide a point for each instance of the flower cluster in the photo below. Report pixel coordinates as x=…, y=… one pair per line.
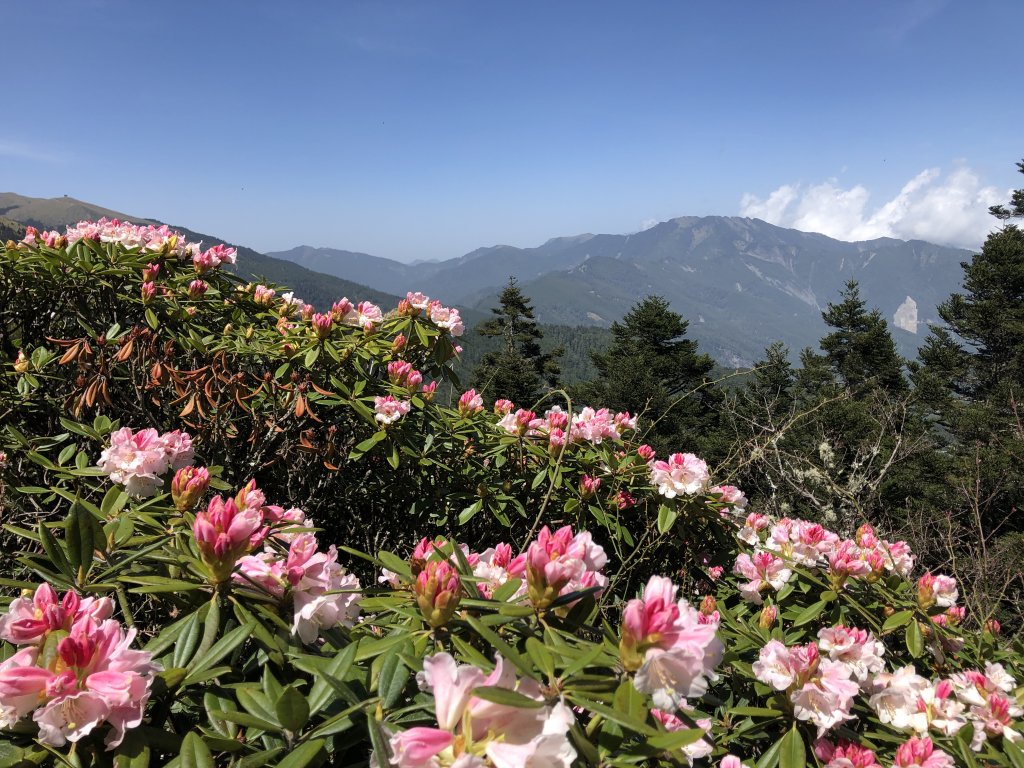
x=473, y=732
x=789, y=542
x=682, y=475
x=149, y=238
x=388, y=409
x=588, y=426
x=137, y=460
x=91, y=677
x=907, y=701
x=290, y=565
x=672, y=647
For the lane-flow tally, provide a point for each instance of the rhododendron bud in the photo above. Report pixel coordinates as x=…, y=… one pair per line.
x=589, y=486
x=767, y=617
x=427, y=393
x=322, y=325
x=992, y=626
x=844, y=755
x=405, y=308
x=188, y=486
x=715, y=572
x=223, y=534
x=148, y=292
x=708, y=605
x=470, y=402
x=149, y=272
x=921, y=753
x=341, y=308
x=438, y=591
x=263, y=295
x=197, y=288
x=645, y=452
x=398, y=344
x=624, y=500
x=502, y=406
x=21, y=362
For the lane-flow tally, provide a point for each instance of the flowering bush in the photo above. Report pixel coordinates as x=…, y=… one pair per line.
x=530, y=585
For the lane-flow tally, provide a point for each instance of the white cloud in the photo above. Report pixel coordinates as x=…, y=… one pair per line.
x=647, y=224
x=950, y=209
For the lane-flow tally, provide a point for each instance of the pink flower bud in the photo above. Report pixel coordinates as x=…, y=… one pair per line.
x=150, y=271
x=398, y=344
x=21, y=362
x=223, y=534
x=148, y=292
x=502, y=406
x=263, y=296
x=589, y=486
x=321, y=325
x=470, y=402
x=428, y=391
x=188, y=486
x=768, y=616
x=438, y=591
x=197, y=288
x=645, y=452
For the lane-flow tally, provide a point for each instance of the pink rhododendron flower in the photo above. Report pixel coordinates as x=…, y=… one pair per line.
x=559, y=563
x=223, y=533
x=896, y=696
x=682, y=474
x=844, y=754
x=752, y=527
x=856, y=648
x=764, y=570
x=93, y=678
x=502, y=406
x=731, y=496
x=445, y=317
x=921, y=753
x=137, y=460
x=666, y=642
x=938, y=590
x=29, y=620
x=389, y=410
x=474, y=733
x=470, y=402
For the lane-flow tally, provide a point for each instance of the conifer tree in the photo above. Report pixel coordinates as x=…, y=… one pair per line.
x=652, y=367
x=519, y=370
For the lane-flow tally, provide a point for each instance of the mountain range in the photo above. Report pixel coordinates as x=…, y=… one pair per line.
x=742, y=283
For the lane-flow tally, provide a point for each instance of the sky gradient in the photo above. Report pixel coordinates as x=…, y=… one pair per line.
x=424, y=130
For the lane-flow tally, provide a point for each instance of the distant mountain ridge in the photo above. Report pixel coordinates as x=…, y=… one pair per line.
x=742, y=283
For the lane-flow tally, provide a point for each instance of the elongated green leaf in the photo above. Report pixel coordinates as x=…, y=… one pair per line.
x=915, y=643
x=219, y=650
x=306, y=754
x=322, y=692
x=896, y=620
x=675, y=739
x=506, y=697
x=792, y=753
x=1015, y=753
x=810, y=613
x=392, y=678
x=55, y=552
x=195, y=753
x=292, y=709
x=666, y=518
x=541, y=655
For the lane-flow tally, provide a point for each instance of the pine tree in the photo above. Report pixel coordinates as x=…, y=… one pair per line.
x=860, y=349
x=652, y=368
x=519, y=370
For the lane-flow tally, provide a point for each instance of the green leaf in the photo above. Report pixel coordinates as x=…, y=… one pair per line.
x=133, y=752
x=675, y=740
x=753, y=712
x=379, y=740
x=915, y=643
x=792, y=753
x=666, y=518
x=219, y=650
x=392, y=678
x=322, y=691
x=54, y=551
x=541, y=655
x=307, y=753
x=113, y=501
x=1015, y=753
x=896, y=620
x=195, y=753
x=292, y=709
x=506, y=697
x=151, y=319
x=469, y=512
x=311, y=356
x=810, y=613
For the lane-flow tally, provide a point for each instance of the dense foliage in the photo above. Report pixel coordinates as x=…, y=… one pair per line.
x=249, y=534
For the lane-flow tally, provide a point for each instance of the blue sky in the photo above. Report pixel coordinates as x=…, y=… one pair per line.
x=424, y=130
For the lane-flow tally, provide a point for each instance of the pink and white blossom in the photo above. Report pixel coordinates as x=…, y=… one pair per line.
x=683, y=474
